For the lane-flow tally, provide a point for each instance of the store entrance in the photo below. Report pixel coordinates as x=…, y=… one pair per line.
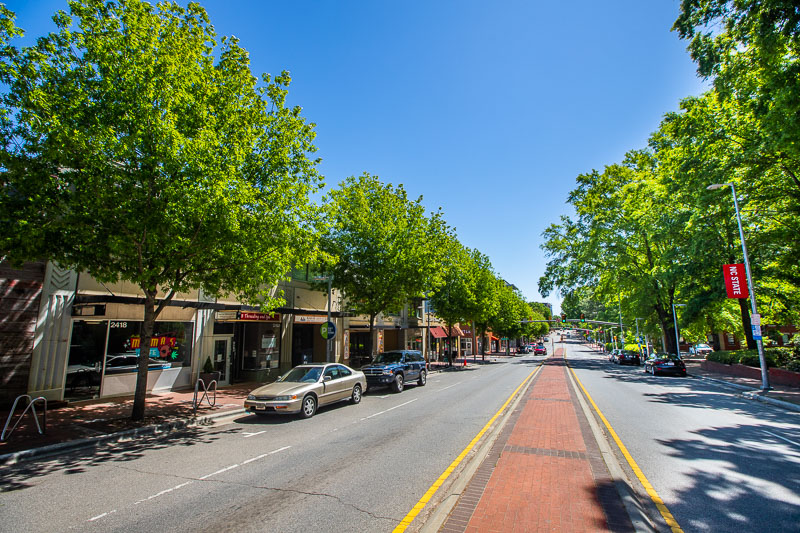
x=85, y=360
x=222, y=358
x=302, y=344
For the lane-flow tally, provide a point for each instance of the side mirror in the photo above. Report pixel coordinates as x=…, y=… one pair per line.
x=327, y=378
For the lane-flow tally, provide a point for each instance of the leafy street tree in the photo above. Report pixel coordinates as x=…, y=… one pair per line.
x=512, y=311
x=455, y=298
x=383, y=249
x=138, y=147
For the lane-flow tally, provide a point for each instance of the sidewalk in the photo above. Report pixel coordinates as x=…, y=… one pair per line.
x=89, y=422
x=545, y=471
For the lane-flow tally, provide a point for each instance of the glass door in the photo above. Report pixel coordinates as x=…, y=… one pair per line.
x=222, y=358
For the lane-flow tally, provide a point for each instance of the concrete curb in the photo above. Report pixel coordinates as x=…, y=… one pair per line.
x=752, y=394
x=119, y=436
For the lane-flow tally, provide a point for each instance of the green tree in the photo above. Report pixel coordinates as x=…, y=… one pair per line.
x=138, y=147
x=512, y=312
x=383, y=249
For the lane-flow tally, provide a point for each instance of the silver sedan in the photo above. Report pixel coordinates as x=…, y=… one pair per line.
x=306, y=387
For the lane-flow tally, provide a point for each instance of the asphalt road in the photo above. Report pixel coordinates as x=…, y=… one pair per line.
x=720, y=462
x=349, y=468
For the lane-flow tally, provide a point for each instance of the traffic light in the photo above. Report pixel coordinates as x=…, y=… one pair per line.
x=563, y=319
x=583, y=319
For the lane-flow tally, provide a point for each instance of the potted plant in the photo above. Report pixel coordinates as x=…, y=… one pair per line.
x=209, y=374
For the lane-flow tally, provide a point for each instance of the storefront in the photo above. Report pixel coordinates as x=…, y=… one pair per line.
x=247, y=345
x=103, y=357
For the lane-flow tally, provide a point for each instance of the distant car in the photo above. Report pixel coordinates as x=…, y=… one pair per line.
x=306, y=387
x=612, y=355
x=524, y=349
x=540, y=349
x=627, y=357
x=396, y=368
x=701, y=349
x=665, y=363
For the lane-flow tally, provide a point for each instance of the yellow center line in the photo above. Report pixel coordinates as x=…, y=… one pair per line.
x=405, y=522
x=668, y=518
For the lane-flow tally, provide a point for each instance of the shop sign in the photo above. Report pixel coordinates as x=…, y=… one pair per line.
x=310, y=319
x=226, y=315
x=259, y=317
x=735, y=280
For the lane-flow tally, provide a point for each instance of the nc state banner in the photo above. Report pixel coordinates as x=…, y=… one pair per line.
x=735, y=280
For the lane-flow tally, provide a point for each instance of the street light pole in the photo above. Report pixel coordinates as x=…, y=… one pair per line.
x=639, y=340
x=762, y=361
x=677, y=337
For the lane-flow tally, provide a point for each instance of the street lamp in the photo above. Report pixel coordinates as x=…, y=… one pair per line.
x=759, y=344
x=675, y=321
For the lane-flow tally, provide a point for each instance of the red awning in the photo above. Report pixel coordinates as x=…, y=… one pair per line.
x=495, y=338
x=438, y=332
x=457, y=332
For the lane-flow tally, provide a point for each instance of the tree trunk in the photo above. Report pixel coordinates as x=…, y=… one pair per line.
x=148, y=326
x=369, y=340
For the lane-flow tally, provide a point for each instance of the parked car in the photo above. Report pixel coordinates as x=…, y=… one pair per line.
x=612, y=355
x=627, y=357
x=305, y=388
x=665, y=363
x=524, y=349
x=700, y=349
x=396, y=368
x=540, y=349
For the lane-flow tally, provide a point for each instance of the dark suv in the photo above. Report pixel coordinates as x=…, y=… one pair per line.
x=395, y=369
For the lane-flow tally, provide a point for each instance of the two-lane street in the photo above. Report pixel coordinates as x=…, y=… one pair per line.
x=349, y=468
x=719, y=461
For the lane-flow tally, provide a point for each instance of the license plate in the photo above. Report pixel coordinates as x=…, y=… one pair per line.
x=261, y=407
x=667, y=364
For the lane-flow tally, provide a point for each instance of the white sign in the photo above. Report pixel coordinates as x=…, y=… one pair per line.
x=755, y=319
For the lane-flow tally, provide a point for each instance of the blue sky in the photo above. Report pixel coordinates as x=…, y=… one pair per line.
x=488, y=109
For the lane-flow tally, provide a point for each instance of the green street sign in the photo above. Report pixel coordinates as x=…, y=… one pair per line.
x=328, y=330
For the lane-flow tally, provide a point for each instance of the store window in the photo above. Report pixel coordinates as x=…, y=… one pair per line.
x=170, y=346
x=261, y=345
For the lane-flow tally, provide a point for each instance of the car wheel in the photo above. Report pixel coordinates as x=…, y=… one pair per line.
x=423, y=378
x=356, y=396
x=397, y=384
x=309, y=407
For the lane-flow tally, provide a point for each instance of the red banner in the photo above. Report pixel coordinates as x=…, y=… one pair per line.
x=735, y=280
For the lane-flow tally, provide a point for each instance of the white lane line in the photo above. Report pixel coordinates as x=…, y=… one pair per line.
x=220, y=471
x=386, y=396
x=451, y=386
x=782, y=438
x=265, y=455
x=162, y=492
x=98, y=517
x=390, y=409
x=246, y=435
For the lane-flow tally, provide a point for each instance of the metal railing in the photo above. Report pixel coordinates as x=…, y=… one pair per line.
x=30, y=407
x=211, y=387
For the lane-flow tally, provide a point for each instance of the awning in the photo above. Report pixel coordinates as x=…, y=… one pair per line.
x=438, y=332
x=495, y=338
x=457, y=332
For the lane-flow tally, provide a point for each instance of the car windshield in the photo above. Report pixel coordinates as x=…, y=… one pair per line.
x=703, y=346
x=629, y=352
x=303, y=374
x=389, y=357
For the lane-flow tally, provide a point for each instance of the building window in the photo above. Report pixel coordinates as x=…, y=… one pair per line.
x=261, y=345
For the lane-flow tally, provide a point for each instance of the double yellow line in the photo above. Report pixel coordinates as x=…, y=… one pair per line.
x=412, y=514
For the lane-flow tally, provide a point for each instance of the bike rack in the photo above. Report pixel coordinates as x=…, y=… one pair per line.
x=212, y=386
x=32, y=407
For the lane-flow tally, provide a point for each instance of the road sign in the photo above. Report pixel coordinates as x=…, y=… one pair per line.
x=755, y=319
x=756, y=332
x=328, y=330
